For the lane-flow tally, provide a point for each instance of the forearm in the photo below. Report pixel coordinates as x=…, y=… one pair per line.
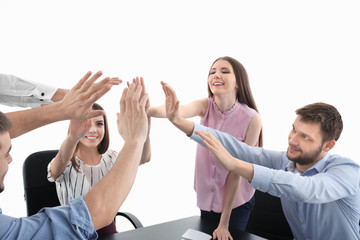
x=339, y=181
x=63, y=158
x=231, y=189
x=158, y=111
x=184, y=125
x=240, y=150
x=146, y=153
x=59, y=94
x=26, y=120
x=242, y=168
x=105, y=199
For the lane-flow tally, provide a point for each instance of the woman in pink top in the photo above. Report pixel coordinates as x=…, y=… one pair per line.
x=221, y=195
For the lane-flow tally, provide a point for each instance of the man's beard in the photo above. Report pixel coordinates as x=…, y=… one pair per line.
x=307, y=158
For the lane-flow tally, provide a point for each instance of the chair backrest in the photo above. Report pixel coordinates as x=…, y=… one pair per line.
x=267, y=219
x=38, y=191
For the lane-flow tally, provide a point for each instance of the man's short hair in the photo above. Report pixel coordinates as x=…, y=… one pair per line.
x=331, y=124
x=5, y=123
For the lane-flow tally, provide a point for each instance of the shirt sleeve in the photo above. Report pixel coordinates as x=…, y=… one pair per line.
x=60, y=178
x=338, y=181
x=72, y=221
x=15, y=91
x=242, y=151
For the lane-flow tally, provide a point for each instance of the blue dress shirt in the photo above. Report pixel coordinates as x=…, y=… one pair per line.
x=72, y=221
x=321, y=203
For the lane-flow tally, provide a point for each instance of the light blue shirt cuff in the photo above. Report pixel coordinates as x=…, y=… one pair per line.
x=262, y=178
x=195, y=137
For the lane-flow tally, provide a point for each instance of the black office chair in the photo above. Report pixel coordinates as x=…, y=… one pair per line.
x=39, y=192
x=267, y=219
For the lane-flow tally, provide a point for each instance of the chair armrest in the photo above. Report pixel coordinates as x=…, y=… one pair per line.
x=134, y=220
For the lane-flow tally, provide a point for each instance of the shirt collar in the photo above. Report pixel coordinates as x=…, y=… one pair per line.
x=318, y=167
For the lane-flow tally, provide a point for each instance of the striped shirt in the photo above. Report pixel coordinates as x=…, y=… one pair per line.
x=72, y=184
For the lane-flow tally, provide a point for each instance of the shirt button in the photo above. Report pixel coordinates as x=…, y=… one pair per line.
x=279, y=195
x=301, y=220
x=257, y=187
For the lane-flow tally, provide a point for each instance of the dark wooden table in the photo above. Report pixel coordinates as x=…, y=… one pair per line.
x=173, y=230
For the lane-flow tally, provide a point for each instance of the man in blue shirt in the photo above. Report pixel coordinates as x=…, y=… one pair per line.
x=82, y=216
x=319, y=191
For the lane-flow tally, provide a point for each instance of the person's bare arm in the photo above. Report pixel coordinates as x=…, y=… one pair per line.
x=172, y=111
x=105, y=199
x=75, y=105
x=232, y=186
x=59, y=94
x=77, y=130
x=239, y=167
x=146, y=153
x=253, y=131
x=233, y=181
x=192, y=109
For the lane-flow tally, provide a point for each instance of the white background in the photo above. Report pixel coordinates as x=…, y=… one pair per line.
x=295, y=52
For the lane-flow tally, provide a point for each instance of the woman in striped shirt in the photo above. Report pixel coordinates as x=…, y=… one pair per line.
x=84, y=159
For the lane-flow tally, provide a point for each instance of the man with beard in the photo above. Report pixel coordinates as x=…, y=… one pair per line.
x=84, y=215
x=319, y=191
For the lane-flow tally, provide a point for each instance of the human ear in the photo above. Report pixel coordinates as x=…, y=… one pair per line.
x=329, y=145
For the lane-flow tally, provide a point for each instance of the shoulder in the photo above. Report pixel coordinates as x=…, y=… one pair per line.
x=337, y=160
x=248, y=110
x=202, y=105
x=256, y=120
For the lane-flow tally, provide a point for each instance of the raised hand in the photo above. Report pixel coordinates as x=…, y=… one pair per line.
x=79, y=128
x=215, y=146
x=139, y=81
x=171, y=102
x=132, y=120
x=78, y=101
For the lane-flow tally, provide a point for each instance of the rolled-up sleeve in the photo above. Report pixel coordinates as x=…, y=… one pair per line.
x=72, y=221
x=261, y=178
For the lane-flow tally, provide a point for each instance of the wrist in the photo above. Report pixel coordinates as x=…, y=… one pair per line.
x=223, y=226
x=73, y=138
x=184, y=125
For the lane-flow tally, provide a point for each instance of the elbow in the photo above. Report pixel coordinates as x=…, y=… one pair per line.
x=109, y=219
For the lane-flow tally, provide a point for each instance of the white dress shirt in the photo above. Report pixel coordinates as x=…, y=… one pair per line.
x=15, y=91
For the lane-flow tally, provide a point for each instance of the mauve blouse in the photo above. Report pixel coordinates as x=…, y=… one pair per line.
x=210, y=176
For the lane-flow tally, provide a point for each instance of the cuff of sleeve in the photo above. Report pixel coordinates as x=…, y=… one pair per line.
x=195, y=137
x=80, y=217
x=44, y=92
x=262, y=178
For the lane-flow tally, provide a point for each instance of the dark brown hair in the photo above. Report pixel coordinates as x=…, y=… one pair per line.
x=5, y=123
x=331, y=124
x=103, y=145
x=244, y=94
